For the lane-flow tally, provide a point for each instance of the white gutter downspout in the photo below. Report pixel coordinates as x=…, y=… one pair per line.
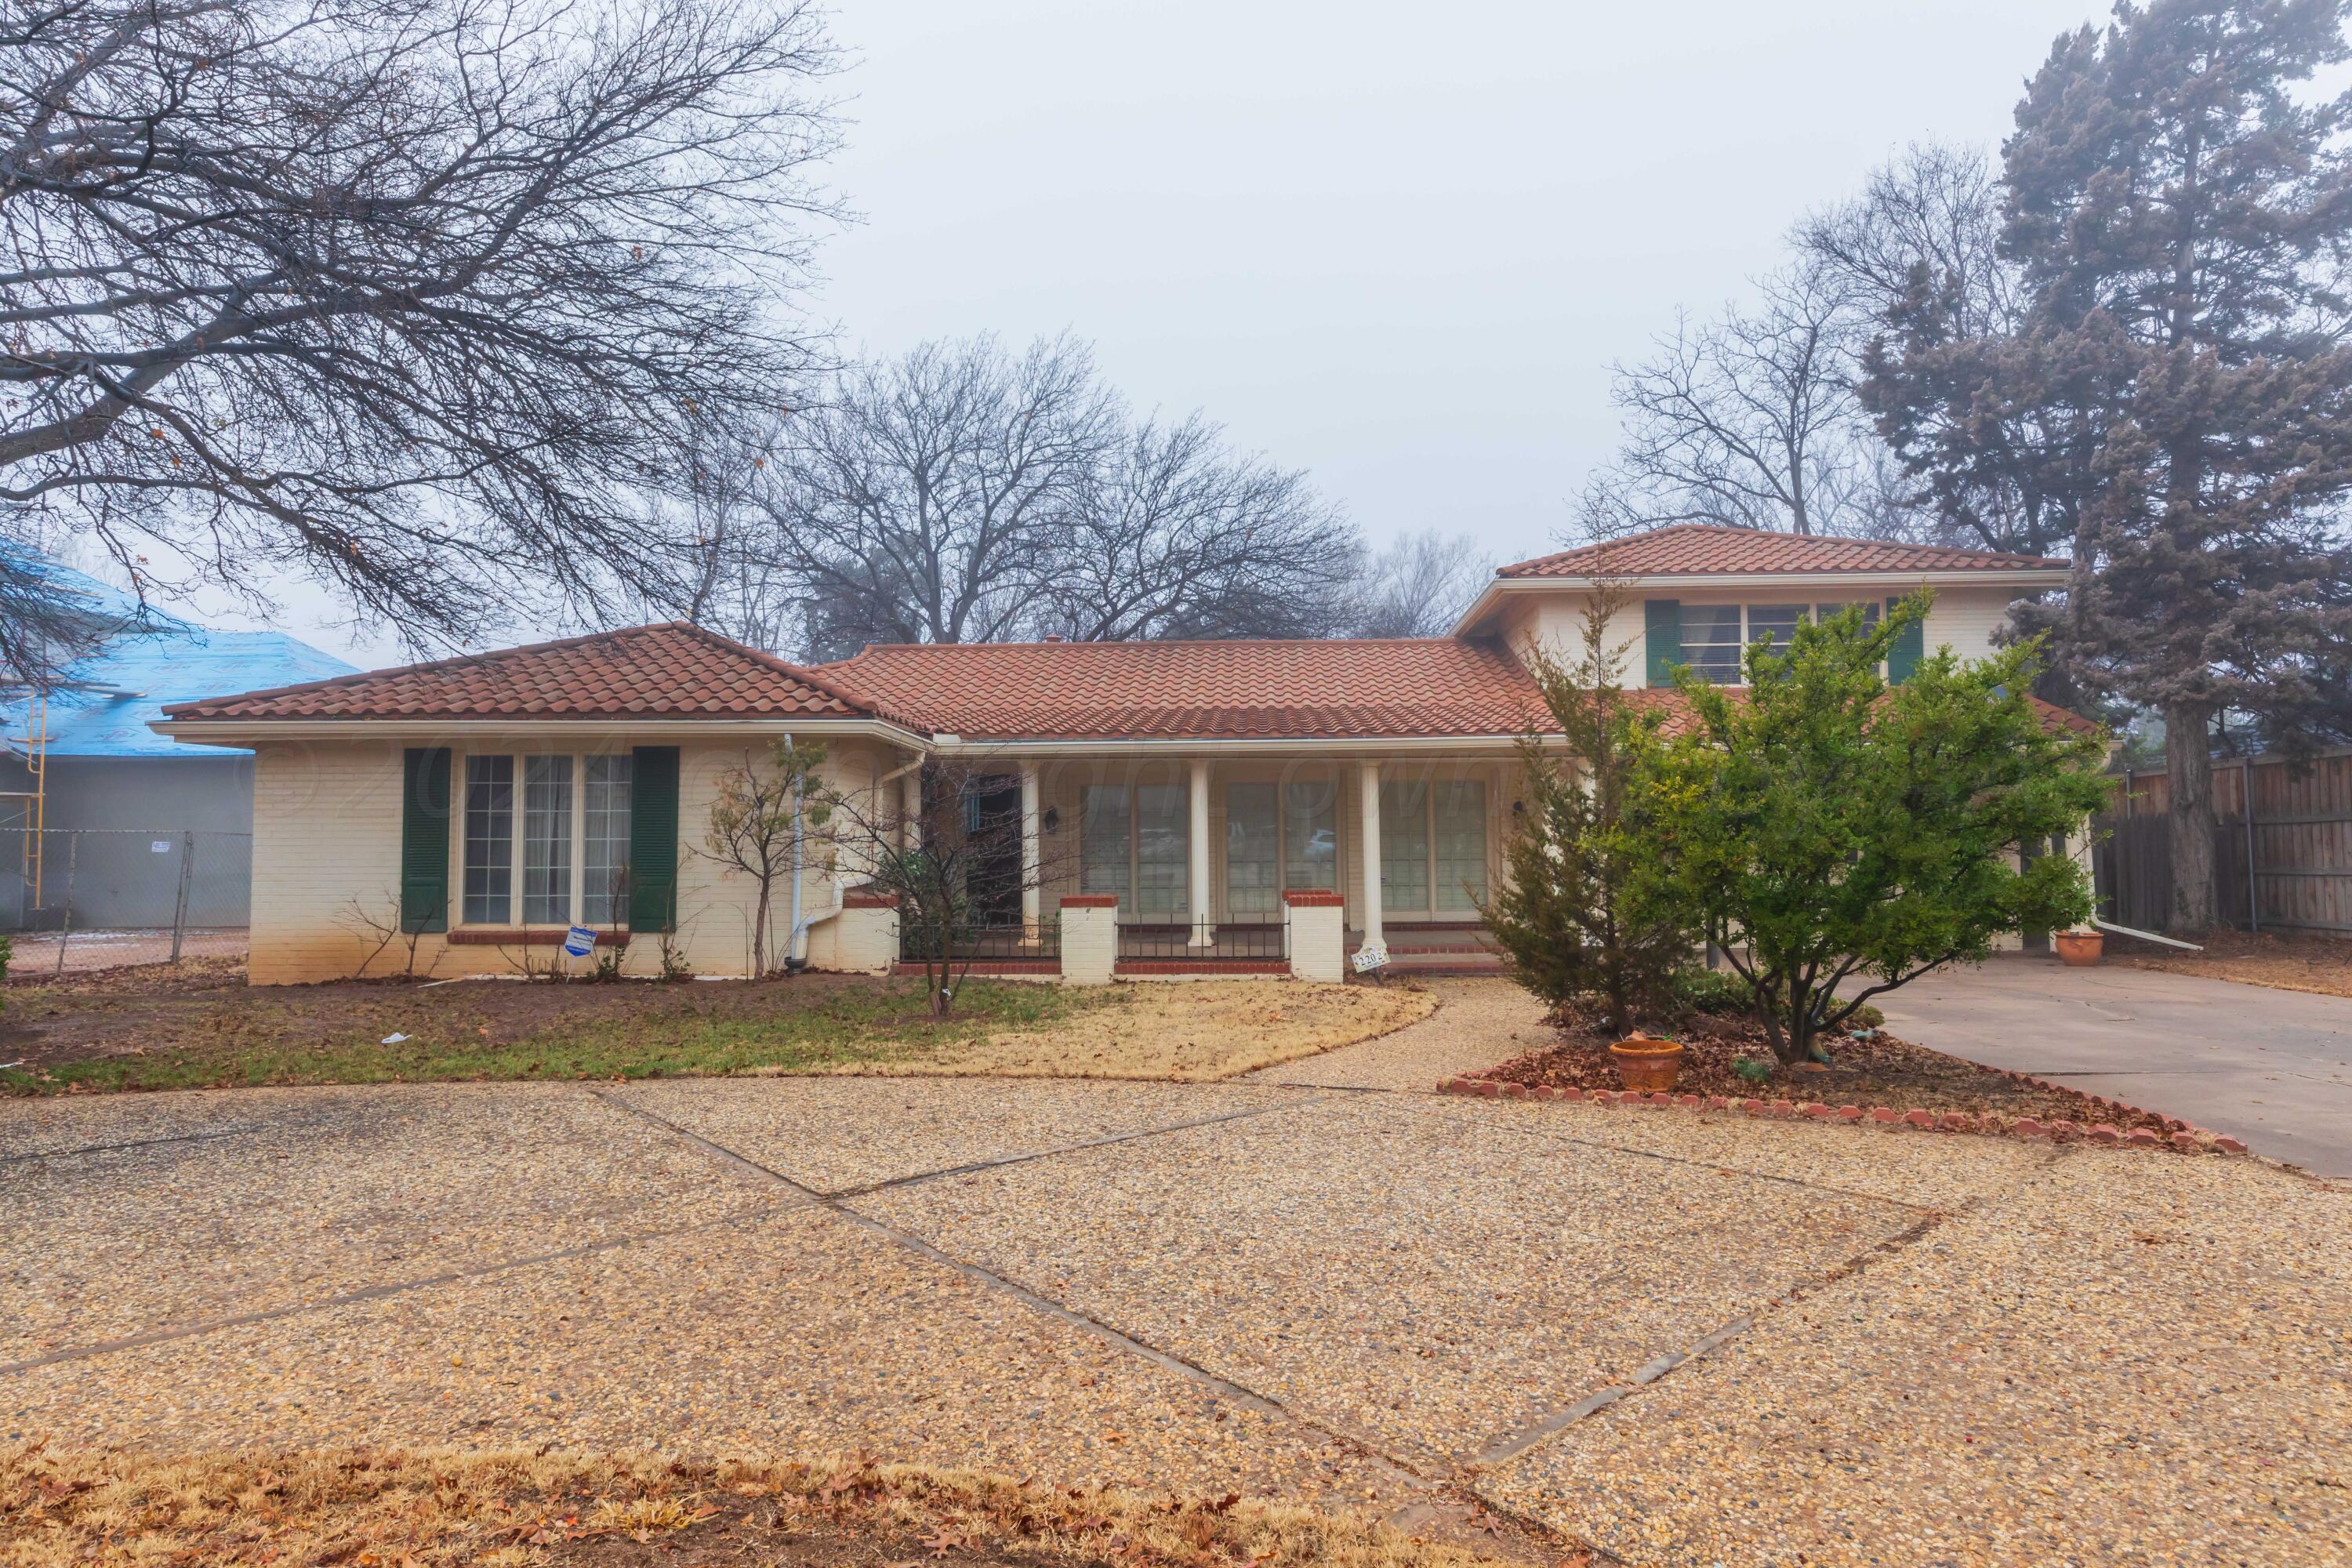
x=801, y=928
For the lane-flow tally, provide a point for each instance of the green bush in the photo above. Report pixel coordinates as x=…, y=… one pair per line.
x=1717, y=993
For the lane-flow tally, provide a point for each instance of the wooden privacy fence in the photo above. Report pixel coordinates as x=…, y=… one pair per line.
x=2285, y=866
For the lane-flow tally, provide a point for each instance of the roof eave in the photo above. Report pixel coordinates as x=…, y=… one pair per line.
x=1223, y=746
x=245, y=732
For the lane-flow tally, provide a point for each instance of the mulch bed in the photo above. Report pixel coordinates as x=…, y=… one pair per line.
x=1879, y=1070
x=2321, y=965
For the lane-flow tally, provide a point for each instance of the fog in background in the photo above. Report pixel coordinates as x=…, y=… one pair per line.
x=1397, y=246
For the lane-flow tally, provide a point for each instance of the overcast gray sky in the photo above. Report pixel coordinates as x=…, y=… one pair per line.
x=1395, y=245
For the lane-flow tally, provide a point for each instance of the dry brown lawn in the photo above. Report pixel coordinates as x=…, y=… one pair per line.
x=2320, y=965
x=1192, y=1031
x=378, y=1509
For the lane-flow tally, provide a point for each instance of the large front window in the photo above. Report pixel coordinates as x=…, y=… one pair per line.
x=565, y=847
x=1404, y=846
x=489, y=840
x=1135, y=842
x=1252, y=850
x=1432, y=846
x=1163, y=850
x=604, y=844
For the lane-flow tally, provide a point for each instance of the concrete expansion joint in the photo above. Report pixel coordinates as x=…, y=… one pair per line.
x=1168, y=1360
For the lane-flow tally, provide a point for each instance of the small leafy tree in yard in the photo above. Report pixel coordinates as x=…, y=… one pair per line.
x=1583, y=911
x=1827, y=827
x=768, y=816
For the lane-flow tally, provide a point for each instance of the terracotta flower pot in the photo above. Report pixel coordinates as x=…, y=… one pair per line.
x=2081, y=949
x=1648, y=1066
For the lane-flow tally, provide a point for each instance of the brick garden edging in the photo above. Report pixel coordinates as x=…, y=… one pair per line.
x=2185, y=1139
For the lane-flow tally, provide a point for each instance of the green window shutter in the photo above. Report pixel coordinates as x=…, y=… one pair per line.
x=1910, y=646
x=653, y=838
x=424, y=839
x=1661, y=620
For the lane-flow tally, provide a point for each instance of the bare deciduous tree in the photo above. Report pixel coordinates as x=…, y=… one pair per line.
x=1750, y=421
x=1178, y=536
x=416, y=299
x=1918, y=254
x=768, y=820
x=963, y=493
x=1419, y=585
x=926, y=500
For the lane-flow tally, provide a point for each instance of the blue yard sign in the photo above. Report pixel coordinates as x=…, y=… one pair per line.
x=580, y=942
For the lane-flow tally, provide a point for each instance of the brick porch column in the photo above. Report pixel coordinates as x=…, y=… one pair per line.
x=1089, y=938
x=1314, y=931
x=1371, y=779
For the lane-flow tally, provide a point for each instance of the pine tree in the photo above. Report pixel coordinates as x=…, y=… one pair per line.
x=1584, y=912
x=2182, y=213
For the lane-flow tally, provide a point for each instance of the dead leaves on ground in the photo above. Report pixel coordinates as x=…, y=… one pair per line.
x=366, y=1508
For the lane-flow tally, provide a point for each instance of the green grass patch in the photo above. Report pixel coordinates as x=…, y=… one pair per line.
x=234, y=1036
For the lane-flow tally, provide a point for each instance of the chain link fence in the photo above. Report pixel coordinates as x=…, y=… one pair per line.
x=102, y=898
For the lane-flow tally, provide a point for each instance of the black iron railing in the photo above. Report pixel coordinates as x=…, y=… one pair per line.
x=992, y=942
x=1229, y=939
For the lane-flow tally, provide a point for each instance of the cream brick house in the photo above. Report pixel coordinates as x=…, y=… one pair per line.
x=1185, y=795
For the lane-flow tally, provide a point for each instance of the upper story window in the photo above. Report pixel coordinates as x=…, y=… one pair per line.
x=1713, y=638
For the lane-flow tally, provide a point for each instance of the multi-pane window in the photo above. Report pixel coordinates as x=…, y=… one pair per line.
x=547, y=840
x=1712, y=642
x=1460, y=812
x=604, y=843
x=1869, y=612
x=538, y=836
x=489, y=840
x=1779, y=622
x=1714, y=636
x=1135, y=842
x=1433, y=846
x=1310, y=836
x=1105, y=840
x=1252, y=850
x=1163, y=849
x=1404, y=846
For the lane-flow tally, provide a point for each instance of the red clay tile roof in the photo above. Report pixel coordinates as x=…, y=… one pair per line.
x=671, y=671
x=1698, y=549
x=1198, y=691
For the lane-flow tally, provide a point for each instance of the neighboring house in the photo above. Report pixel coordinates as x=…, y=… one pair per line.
x=1192, y=785
x=107, y=769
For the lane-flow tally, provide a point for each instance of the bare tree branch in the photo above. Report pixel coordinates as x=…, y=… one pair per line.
x=414, y=298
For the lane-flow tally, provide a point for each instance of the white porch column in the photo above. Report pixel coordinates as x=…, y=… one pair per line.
x=1032, y=854
x=910, y=809
x=1372, y=850
x=1204, y=924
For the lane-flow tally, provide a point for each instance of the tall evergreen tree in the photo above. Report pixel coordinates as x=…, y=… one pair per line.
x=2180, y=203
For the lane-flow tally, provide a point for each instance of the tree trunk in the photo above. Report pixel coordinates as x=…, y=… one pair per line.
x=2189, y=767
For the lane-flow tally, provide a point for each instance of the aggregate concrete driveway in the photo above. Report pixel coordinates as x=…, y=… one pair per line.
x=2274, y=1068
x=1684, y=1339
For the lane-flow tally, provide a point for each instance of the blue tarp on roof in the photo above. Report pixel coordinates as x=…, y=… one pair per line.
x=163, y=660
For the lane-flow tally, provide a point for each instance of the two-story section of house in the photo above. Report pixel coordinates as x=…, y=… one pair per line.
x=1698, y=595
x=486, y=805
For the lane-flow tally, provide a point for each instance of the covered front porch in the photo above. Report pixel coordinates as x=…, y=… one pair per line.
x=1197, y=856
